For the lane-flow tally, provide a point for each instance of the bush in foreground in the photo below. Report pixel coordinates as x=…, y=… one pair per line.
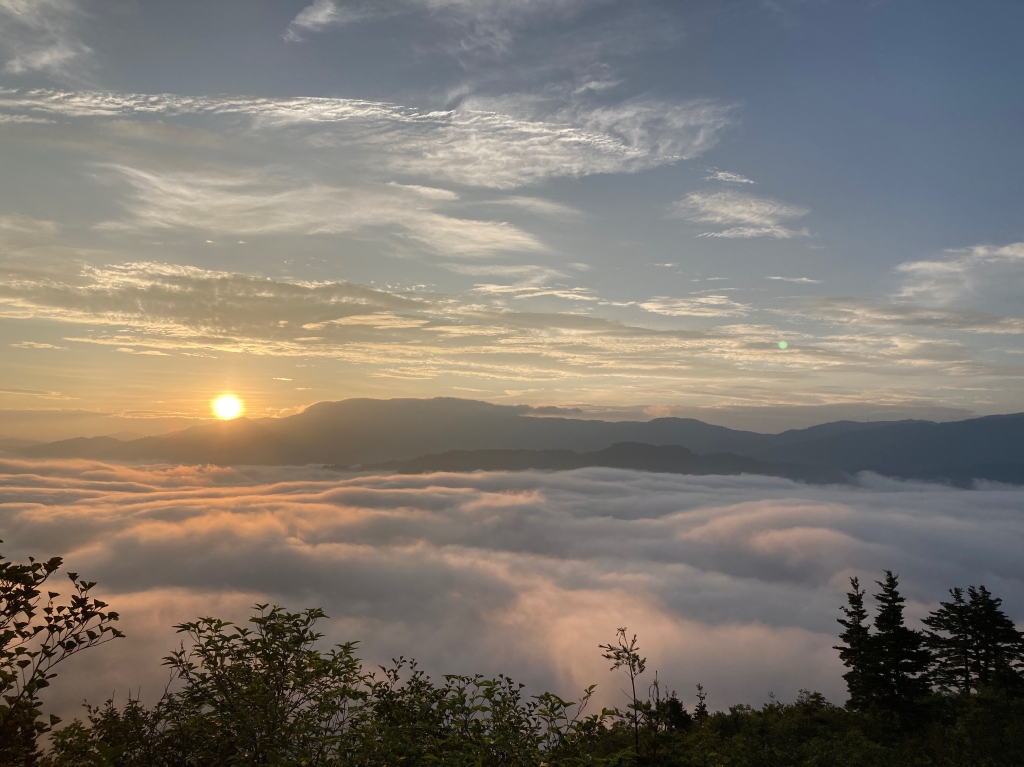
x=265, y=694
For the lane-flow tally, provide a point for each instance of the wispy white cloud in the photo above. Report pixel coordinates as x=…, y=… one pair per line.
x=801, y=280
x=538, y=205
x=37, y=345
x=145, y=352
x=637, y=130
x=377, y=320
x=255, y=203
x=531, y=274
x=323, y=14
x=698, y=306
x=744, y=214
x=714, y=174
x=514, y=331
x=520, y=291
x=430, y=192
x=477, y=144
x=177, y=309
x=488, y=25
x=882, y=313
x=35, y=393
x=528, y=281
x=982, y=273
x=19, y=229
x=41, y=36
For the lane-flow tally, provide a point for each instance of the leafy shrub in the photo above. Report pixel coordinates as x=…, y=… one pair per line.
x=266, y=694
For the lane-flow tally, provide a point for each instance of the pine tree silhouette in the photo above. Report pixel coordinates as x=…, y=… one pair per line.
x=953, y=651
x=998, y=645
x=856, y=650
x=898, y=660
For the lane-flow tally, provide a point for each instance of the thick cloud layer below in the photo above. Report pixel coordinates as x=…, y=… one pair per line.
x=734, y=582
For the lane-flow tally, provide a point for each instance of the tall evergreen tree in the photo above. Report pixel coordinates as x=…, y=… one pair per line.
x=855, y=652
x=998, y=645
x=950, y=638
x=899, y=660
x=980, y=646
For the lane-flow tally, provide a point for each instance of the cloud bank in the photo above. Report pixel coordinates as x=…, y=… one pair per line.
x=733, y=582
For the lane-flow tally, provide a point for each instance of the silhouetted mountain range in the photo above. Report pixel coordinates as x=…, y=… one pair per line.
x=368, y=432
x=14, y=444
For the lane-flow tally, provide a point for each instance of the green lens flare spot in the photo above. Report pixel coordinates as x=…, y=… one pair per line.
x=783, y=345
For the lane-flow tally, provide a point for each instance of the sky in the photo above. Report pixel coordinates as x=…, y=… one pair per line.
x=627, y=206
x=731, y=582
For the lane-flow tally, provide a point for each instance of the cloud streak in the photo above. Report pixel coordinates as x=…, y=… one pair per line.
x=476, y=145
x=892, y=314
x=41, y=36
x=746, y=215
x=487, y=26
x=254, y=203
x=321, y=15
x=981, y=275
x=699, y=306
x=520, y=331
x=714, y=174
x=731, y=581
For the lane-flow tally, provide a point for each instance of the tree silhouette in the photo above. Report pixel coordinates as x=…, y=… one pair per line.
x=856, y=652
x=36, y=634
x=625, y=654
x=951, y=640
x=898, y=659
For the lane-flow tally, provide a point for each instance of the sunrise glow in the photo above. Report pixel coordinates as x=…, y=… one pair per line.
x=227, y=406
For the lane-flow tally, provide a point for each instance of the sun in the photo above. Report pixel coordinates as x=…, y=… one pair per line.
x=227, y=406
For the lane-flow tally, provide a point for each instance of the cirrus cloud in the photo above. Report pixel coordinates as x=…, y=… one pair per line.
x=254, y=203
x=745, y=215
x=518, y=332
x=41, y=36
x=495, y=143
x=698, y=306
x=982, y=275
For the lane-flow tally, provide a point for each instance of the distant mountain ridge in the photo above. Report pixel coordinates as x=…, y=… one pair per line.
x=668, y=459
x=364, y=432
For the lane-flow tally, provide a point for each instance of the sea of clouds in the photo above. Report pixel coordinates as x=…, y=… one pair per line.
x=734, y=582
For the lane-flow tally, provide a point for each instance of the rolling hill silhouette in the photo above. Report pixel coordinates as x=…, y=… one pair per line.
x=365, y=432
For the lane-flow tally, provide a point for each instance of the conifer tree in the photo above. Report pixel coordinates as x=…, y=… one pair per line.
x=856, y=651
x=701, y=713
x=953, y=650
x=898, y=659
x=998, y=645
x=979, y=645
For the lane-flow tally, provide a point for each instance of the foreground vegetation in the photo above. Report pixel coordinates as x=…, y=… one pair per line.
x=266, y=694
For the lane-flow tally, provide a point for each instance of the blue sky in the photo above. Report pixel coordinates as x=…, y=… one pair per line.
x=619, y=205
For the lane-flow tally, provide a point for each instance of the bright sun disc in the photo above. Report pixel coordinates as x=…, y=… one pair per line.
x=227, y=407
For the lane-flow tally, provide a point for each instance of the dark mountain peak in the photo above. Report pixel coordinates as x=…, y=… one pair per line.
x=363, y=431
x=407, y=405
x=76, y=447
